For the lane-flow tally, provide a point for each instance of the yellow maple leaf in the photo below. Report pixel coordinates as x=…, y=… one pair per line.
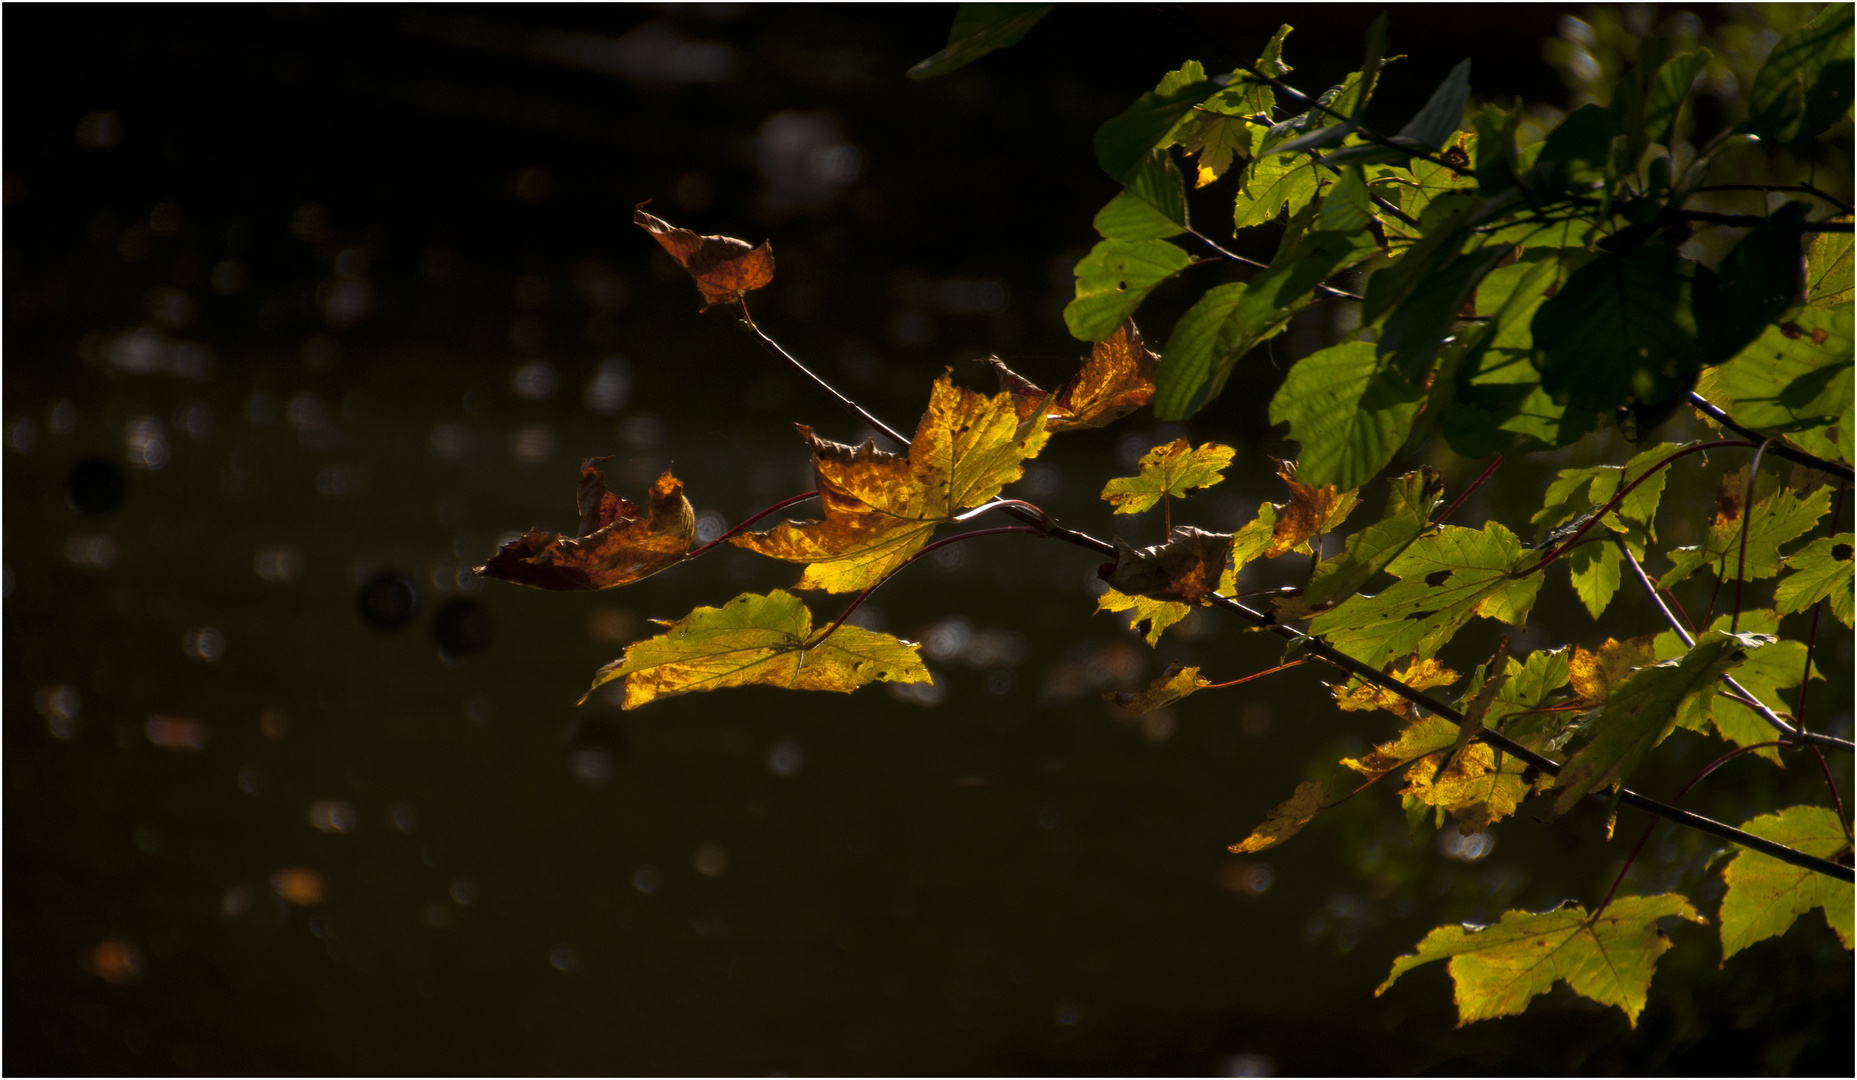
x=1158, y=614
x=1594, y=674
x=1168, y=471
x=1474, y=788
x=764, y=640
x=1177, y=682
x=1286, y=819
x=1281, y=528
x=1422, y=675
x=1498, y=969
x=880, y=508
x=617, y=544
x=1114, y=380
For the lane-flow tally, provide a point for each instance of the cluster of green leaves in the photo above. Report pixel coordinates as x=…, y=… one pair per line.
x=1510, y=298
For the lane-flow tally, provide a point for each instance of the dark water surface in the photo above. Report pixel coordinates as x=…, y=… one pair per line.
x=308, y=308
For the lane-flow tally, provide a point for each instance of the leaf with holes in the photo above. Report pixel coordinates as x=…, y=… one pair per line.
x=1476, y=572
x=1780, y=516
x=758, y=640
x=1821, y=570
x=1113, y=280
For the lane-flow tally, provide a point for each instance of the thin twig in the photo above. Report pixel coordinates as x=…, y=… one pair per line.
x=1339, y=294
x=1464, y=494
x=774, y=347
x=1748, y=221
x=1623, y=491
x=1254, y=675
x=1652, y=827
x=1805, y=189
x=1780, y=449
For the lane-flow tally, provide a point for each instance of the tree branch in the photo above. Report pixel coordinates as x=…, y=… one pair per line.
x=1779, y=449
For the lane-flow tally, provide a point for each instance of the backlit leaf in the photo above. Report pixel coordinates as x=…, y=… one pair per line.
x=1766, y=896
x=617, y=544
x=724, y=268
x=1780, y=516
x=1168, y=471
x=1497, y=970
x=1409, y=505
x=1114, y=380
x=1113, y=280
x=1473, y=568
x=1639, y=712
x=1157, y=615
x=1123, y=142
x=1756, y=283
x=1350, y=410
x=1828, y=269
x=1205, y=339
x=1820, y=570
x=1420, y=675
x=1281, y=528
x=1272, y=183
x=1438, y=120
x=1594, y=674
x=1175, y=683
x=758, y=640
x=1766, y=671
x=979, y=29
x=880, y=508
x=1473, y=787
x=1286, y=819
x=1794, y=380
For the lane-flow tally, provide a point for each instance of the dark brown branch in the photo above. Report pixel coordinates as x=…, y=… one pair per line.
x=1779, y=449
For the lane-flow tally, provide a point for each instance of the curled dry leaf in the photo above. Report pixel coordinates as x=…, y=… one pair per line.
x=724, y=267
x=1170, y=471
x=1286, y=819
x=617, y=544
x=764, y=640
x=1184, y=569
x=1116, y=379
x=880, y=508
x=1175, y=683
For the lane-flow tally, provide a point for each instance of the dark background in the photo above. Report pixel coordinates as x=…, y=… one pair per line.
x=348, y=291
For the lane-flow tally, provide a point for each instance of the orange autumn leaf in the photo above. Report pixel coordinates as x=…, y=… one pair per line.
x=724, y=267
x=880, y=508
x=1593, y=674
x=617, y=544
x=1116, y=379
x=1311, y=510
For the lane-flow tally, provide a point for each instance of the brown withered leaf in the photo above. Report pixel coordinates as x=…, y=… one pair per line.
x=617, y=545
x=1286, y=819
x=1423, y=675
x=1185, y=569
x=1594, y=674
x=724, y=267
x=880, y=508
x=1116, y=379
x=1175, y=683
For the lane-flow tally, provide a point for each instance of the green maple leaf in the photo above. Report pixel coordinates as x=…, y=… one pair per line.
x=1409, y=506
x=1641, y=710
x=758, y=640
x=1414, y=616
x=1764, y=673
x=1499, y=969
x=1820, y=570
x=1765, y=896
x=1780, y=516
